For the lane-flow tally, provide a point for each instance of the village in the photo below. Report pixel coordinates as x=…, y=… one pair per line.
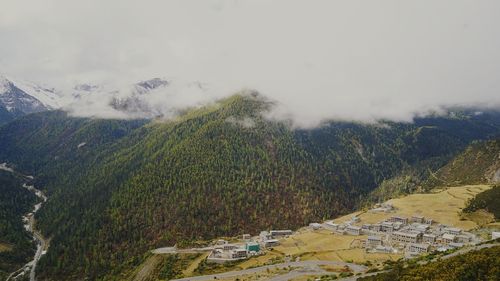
x=411, y=236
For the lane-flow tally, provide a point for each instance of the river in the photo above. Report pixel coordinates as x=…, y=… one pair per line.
x=29, y=224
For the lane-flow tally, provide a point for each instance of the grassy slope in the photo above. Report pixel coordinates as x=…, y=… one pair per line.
x=487, y=200
x=479, y=163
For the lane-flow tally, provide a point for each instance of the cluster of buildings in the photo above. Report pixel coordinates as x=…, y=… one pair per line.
x=414, y=235
x=223, y=251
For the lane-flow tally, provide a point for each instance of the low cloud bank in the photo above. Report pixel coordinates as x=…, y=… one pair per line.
x=348, y=60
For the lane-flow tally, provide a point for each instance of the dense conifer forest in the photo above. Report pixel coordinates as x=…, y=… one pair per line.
x=486, y=200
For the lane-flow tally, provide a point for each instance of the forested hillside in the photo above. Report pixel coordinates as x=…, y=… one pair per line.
x=486, y=200
x=16, y=246
x=479, y=163
x=120, y=188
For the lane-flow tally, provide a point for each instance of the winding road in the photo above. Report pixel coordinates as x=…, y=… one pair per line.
x=306, y=268
x=302, y=268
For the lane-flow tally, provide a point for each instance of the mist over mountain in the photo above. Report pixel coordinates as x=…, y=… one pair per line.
x=166, y=99
x=322, y=60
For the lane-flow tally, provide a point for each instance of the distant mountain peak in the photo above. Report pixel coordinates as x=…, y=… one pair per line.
x=85, y=87
x=19, y=97
x=48, y=97
x=153, y=83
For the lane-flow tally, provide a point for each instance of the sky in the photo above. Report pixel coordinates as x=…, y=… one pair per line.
x=319, y=59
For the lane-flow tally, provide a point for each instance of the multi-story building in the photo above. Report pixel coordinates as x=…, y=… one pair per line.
x=428, y=221
x=373, y=241
x=280, y=233
x=264, y=235
x=402, y=220
x=417, y=219
x=331, y=225
x=419, y=227
x=239, y=253
x=384, y=249
x=452, y=230
x=448, y=238
x=228, y=247
x=418, y=248
x=406, y=237
x=270, y=243
x=462, y=238
x=353, y=230
x=387, y=227
x=429, y=238
x=375, y=227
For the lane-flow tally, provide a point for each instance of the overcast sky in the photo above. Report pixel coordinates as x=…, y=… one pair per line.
x=351, y=59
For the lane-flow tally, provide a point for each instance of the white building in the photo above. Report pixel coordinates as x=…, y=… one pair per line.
x=375, y=227
x=402, y=220
x=228, y=247
x=452, y=230
x=384, y=249
x=456, y=245
x=429, y=238
x=270, y=243
x=387, y=227
x=417, y=219
x=373, y=241
x=264, y=235
x=418, y=248
x=462, y=238
x=315, y=226
x=280, y=233
x=353, y=230
x=428, y=221
x=406, y=237
x=331, y=225
x=448, y=238
x=239, y=253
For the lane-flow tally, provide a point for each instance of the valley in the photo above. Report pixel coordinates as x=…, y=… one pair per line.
x=240, y=140
x=138, y=185
x=29, y=223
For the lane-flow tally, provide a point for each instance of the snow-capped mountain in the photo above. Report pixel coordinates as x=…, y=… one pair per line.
x=18, y=97
x=132, y=100
x=157, y=97
x=129, y=101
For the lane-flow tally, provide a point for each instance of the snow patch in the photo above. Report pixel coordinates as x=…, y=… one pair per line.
x=50, y=98
x=4, y=167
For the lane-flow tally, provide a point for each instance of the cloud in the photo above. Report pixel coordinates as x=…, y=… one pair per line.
x=321, y=59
